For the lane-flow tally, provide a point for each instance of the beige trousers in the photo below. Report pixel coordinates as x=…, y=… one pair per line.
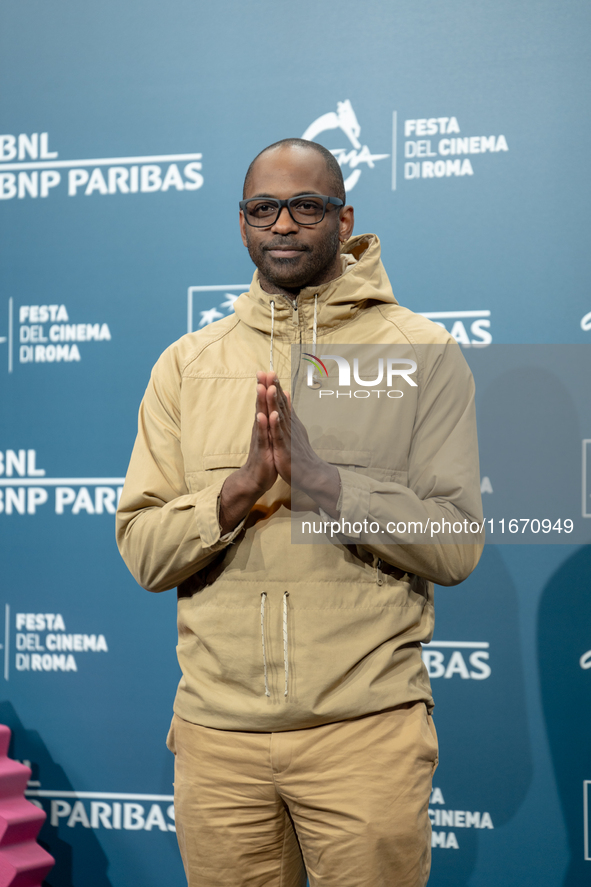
x=345, y=803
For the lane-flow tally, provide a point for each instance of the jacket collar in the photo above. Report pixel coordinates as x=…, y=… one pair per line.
x=364, y=280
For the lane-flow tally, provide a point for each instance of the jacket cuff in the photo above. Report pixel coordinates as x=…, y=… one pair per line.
x=354, y=498
x=207, y=517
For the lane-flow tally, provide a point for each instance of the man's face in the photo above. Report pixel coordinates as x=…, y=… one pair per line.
x=290, y=256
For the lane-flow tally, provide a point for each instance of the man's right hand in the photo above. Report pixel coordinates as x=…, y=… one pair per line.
x=258, y=474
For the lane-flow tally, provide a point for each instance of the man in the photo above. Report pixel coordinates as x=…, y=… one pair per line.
x=302, y=727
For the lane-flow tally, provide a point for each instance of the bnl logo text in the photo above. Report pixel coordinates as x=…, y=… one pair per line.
x=469, y=328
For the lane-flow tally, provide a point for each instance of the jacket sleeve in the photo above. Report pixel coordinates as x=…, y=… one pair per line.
x=164, y=532
x=443, y=481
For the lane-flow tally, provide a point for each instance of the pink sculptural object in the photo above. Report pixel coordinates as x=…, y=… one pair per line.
x=23, y=863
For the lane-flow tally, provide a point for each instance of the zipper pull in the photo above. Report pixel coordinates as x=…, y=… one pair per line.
x=294, y=314
x=379, y=576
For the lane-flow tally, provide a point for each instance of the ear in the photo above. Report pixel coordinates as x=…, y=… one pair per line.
x=243, y=229
x=346, y=222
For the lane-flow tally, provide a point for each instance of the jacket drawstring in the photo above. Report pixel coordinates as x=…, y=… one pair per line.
x=285, y=642
x=315, y=381
x=272, y=332
x=263, y=599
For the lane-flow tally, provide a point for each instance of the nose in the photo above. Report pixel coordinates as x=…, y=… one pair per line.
x=285, y=224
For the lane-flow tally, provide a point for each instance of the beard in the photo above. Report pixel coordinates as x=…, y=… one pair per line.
x=294, y=272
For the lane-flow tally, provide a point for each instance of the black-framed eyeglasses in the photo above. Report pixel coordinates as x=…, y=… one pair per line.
x=305, y=209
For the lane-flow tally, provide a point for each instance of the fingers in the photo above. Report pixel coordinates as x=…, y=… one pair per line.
x=259, y=441
x=271, y=379
x=274, y=405
x=261, y=398
x=276, y=428
x=262, y=425
x=278, y=411
x=277, y=400
x=281, y=395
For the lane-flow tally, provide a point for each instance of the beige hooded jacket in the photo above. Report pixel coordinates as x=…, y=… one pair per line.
x=275, y=635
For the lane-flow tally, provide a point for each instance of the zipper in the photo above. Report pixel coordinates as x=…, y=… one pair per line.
x=295, y=317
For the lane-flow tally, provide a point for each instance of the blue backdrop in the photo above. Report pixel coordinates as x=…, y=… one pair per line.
x=462, y=128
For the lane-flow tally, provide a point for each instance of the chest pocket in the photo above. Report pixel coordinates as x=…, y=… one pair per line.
x=346, y=458
x=216, y=466
x=360, y=461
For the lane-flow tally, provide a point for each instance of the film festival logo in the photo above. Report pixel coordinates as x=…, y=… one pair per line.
x=456, y=819
x=353, y=156
x=448, y=154
x=40, y=642
x=45, y=334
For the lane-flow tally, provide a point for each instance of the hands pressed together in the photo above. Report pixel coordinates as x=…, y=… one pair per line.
x=279, y=446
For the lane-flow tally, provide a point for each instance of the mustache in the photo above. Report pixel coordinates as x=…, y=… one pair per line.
x=284, y=244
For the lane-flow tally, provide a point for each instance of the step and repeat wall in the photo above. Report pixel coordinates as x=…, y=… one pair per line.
x=125, y=132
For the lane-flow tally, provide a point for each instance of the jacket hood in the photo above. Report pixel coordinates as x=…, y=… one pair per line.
x=363, y=280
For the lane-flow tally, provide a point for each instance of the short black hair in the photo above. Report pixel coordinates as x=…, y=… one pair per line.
x=334, y=170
